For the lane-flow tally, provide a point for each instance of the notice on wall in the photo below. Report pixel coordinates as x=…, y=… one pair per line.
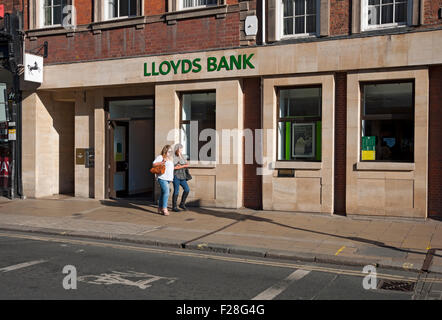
x=368, y=155
x=12, y=134
x=80, y=155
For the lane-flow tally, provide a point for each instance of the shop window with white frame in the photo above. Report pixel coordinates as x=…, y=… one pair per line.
x=299, y=17
x=300, y=123
x=120, y=8
x=188, y=4
x=387, y=121
x=378, y=14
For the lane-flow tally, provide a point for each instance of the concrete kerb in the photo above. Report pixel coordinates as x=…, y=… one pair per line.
x=290, y=255
x=227, y=249
x=222, y=248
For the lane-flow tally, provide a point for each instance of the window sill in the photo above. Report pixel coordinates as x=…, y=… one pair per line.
x=384, y=27
x=202, y=165
x=218, y=11
x=118, y=23
x=298, y=165
x=384, y=166
x=47, y=31
x=197, y=7
x=298, y=36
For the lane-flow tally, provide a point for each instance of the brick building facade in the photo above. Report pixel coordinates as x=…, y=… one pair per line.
x=339, y=46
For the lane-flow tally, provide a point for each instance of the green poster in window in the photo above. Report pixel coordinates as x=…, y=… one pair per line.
x=368, y=148
x=368, y=143
x=287, y=140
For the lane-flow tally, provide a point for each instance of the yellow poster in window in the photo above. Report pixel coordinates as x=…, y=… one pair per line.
x=118, y=156
x=368, y=155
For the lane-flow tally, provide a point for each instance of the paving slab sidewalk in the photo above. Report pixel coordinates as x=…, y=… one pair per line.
x=385, y=242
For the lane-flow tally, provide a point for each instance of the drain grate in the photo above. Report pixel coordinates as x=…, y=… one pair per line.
x=392, y=285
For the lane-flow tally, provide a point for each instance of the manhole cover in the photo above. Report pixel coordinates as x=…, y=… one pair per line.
x=392, y=285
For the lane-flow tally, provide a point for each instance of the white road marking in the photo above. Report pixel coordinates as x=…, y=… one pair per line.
x=89, y=210
x=279, y=287
x=185, y=253
x=21, y=265
x=124, y=278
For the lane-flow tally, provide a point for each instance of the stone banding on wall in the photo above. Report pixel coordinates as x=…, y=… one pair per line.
x=411, y=49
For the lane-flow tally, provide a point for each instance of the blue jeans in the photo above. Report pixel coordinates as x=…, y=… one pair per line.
x=176, y=186
x=164, y=196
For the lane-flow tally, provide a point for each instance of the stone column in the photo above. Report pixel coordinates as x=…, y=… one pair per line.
x=84, y=138
x=29, y=134
x=100, y=145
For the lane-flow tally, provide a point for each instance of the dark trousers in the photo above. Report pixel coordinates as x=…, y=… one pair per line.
x=176, y=186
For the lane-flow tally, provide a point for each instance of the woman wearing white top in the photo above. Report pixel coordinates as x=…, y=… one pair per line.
x=165, y=178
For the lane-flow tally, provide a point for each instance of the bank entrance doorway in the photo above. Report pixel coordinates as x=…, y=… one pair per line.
x=129, y=148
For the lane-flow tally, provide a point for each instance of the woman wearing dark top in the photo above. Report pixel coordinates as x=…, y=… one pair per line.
x=179, y=178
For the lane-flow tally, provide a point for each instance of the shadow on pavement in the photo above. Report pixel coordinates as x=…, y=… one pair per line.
x=250, y=217
x=129, y=204
x=239, y=217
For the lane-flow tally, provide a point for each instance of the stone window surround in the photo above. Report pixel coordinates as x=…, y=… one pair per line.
x=323, y=169
x=298, y=165
x=139, y=22
x=388, y=171
x=227, y=178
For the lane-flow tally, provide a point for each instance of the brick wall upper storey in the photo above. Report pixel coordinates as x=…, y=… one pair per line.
x=161, y=27
x=340, y=14
x=347, y=17
x=431, y=8
x=155, y=38
x=159, y=30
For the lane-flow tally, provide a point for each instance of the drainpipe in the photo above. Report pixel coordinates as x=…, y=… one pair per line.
x=263, y=21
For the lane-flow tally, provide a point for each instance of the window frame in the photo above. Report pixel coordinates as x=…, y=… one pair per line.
x=106, y=11
x=181, y=121
x=291, y=120
x=42, y=18
x=384, y=117
x=180, y=5
x=364, y=17
x=280, y=23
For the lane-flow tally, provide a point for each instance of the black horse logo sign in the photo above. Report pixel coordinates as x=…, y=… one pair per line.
x=34, y=67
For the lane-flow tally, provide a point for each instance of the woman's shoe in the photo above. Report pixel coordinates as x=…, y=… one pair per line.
x=165, y=212
x=183, y=200
x=174, y=201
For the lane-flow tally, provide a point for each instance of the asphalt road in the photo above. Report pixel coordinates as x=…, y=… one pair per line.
x=31, y=267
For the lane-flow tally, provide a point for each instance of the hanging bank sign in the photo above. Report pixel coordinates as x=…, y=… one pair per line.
x=211, y=64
